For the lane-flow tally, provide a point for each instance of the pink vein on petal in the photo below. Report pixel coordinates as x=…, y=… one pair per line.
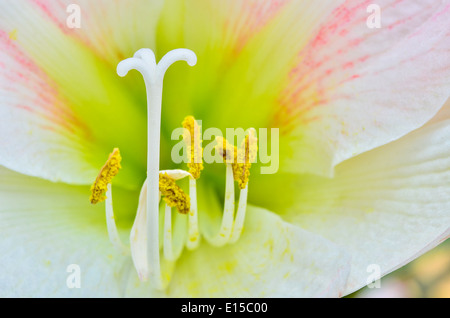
x=254, y=15
x=44, y=6
x=34, y=92
x=338, y=53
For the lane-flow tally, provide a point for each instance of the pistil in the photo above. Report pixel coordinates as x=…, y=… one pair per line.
x=144, y=61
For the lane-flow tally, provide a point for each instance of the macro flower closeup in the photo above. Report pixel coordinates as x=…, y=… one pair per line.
x=346, y=112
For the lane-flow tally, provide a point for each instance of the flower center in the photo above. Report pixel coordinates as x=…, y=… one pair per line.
x=145, y=233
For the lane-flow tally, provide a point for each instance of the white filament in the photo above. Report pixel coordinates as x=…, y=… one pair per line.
x=111, y=224
x=193, y=231
x=169, y=253
x=228, y=212
x=240, y=215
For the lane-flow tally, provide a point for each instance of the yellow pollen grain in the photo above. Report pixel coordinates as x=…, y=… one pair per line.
x=107, y=173
x=172, y=194
x=193, y=140
x=241, y=159
x=226, y=150
x=13, y=35
x=194, y=237
x=246, y=154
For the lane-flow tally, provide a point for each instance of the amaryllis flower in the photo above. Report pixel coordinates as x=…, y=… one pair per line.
x=359, y=181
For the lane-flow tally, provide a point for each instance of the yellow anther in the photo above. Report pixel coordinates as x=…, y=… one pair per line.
x=226, y=150
x=246, y=155
x=107, y=173
x=241, y=159
x=172, y=194
x=192, y=138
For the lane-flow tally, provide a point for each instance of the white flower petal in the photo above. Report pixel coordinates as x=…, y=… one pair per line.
x=356, y=88
x=271, y=259
x=61, y=102
x=47, y=227
x=387, y=206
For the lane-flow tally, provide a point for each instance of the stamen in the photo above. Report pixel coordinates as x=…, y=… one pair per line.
x=245, y=157
x=192, y=138
x=229, y=154
x=168, y=245
x=169, y=253
x=226, y=150
x=168, y=250
x=107, y=173
x=138, y=235
x=238, y=225
x=111, y=224
x=172, y=194
x=239, y=162
x=99, y=188
x=193, y=231
x=228, y=213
